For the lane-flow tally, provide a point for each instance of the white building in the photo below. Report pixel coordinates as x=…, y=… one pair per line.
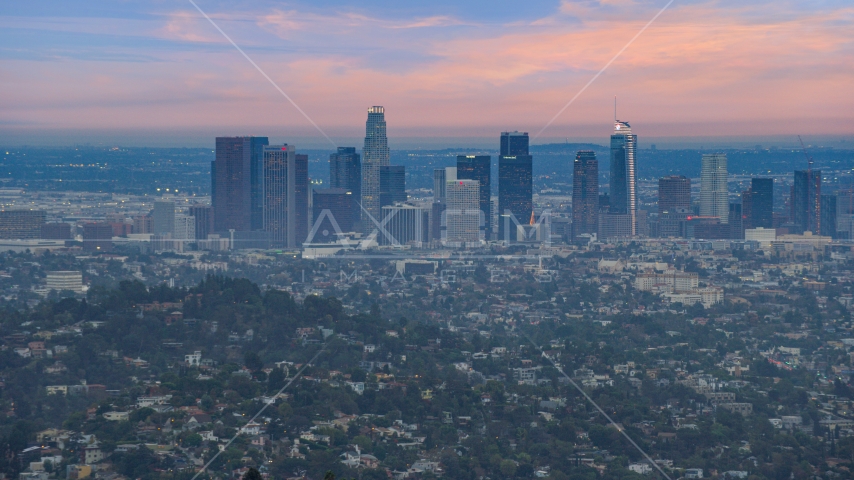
x=714, y=196
x=463, y=215
x=65, y=280
x=762, y=235
x=641, y=468
x=194, y=359
x=185, y=227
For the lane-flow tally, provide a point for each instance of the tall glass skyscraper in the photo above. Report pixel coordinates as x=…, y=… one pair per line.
x=375, y=155
x=623, y=182
x=515, y=192
x=392, y=184
x=237, y=184
x=585, y=193
x=479, y=167
x=345, y=170
x=806, y=201
x=714, y=196
x=761, y=202
x=285, y=196
x=674, y=194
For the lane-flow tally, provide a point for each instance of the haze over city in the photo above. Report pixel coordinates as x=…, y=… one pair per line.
x=142, y=72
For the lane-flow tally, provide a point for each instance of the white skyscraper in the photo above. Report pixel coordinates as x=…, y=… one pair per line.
x=714, y=196
x=374, y=155
x=463, y=215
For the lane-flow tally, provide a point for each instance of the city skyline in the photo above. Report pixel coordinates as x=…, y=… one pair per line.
x=160, y=68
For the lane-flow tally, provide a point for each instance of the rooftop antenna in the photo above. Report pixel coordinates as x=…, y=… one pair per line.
x=615, y=109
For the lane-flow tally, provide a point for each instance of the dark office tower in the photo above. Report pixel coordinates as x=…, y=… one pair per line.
x=761, y=202
x=345, y=170
x=56, y=231
x=736, y=221
x=285, y=196
x=392, y=185
x=806, y=201
x=375, y=155
x=515, y=195
x=513, y=144
x=623, y=182
x=479, y=167
x=333, y=214
x=21, y=224
x=97, y=237
x=674, y=194
x=203, y=220
x=828, y=215
x=238, y=186
x=585, y=193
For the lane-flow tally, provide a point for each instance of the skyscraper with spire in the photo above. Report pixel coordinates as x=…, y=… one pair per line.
x=374, y=155
x=623, y=182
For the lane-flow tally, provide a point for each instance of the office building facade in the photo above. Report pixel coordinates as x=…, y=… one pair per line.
x=463, y=217
x=515, y=189
x=405, y=224
x=163, y=217
x=585, y=193
x=375, y=155
x=479, y=168
x=237, y=183
x=392, y=184
x=203, y=218
x=761, y=203
x=674, y=194
x=21, y=224
x=285, y=210
x=714, y=196
x=332, y=213
x=623, y=181
x=806, y=201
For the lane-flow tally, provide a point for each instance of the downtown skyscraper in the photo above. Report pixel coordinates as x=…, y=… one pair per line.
x=515, y=188
x=237, y=184
x=806, y=201
x=585, y=193
x=285, y=196
x=623, y=182
x=714, y=196
x=479, y=167
x=375, y=154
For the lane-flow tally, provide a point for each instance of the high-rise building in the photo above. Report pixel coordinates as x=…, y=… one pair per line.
x=585, y=193
x=163, y=218
x=674, y=194
x=237, y=184
x=142, y=224
x=375, y=155
x=56, y=231
x=345, y=171
x=185, y=228
x=515, y=189
x=736, y=221
x=392, y=184
x=806, y=201
x=285, y=196
x=333, y=213
x=828, y=216
x=440, y=178
x=513, y=144
x=203, y=217
x=405, y=224
x=463, y=216
x=714, y=196
x=21, y=224
x=623, y=181
x=761, y=203
x=479, y=167
x=97, y=237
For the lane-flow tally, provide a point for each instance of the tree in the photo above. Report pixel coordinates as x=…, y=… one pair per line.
x=253, y=361
x=253, y=474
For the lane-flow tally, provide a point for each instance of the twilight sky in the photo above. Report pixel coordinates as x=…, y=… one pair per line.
x=444, y=67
